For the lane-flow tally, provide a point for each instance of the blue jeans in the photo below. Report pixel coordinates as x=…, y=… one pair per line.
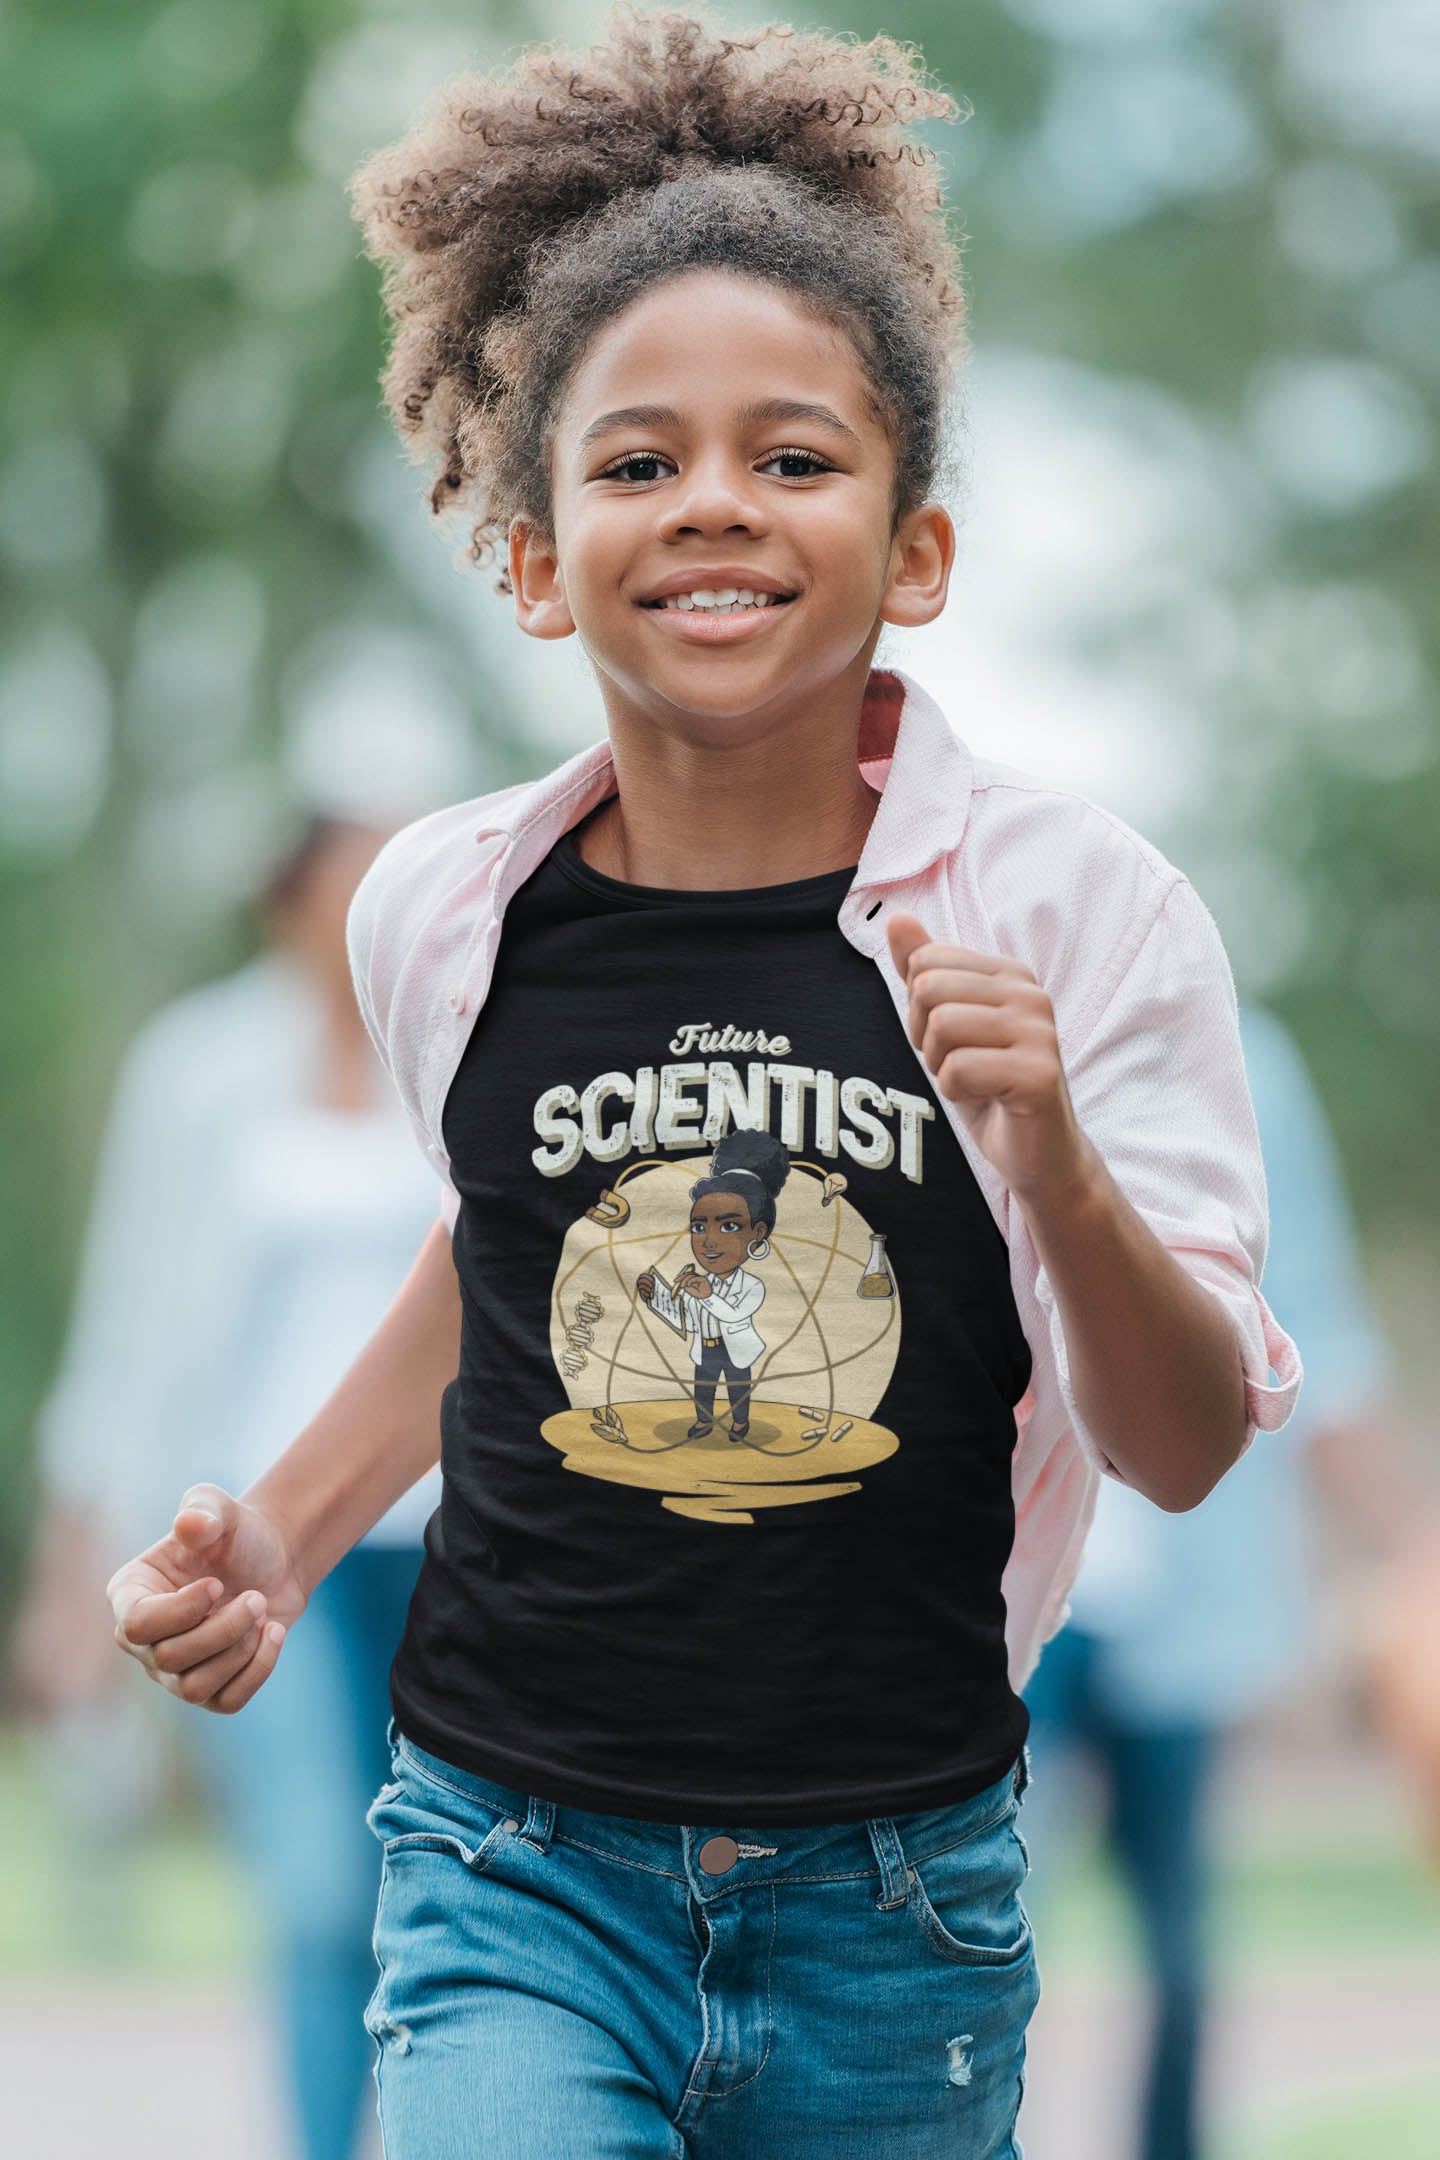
x=1157, y=1779
x=557, y=1982
x=291, y=1778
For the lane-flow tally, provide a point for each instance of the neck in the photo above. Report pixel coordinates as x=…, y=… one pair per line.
x=780, y=798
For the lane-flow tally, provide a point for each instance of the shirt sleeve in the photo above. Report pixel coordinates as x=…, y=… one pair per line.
x=1159, y=1088
x=391, y=963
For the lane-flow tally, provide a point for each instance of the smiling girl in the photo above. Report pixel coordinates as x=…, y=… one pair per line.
x=702, y=1835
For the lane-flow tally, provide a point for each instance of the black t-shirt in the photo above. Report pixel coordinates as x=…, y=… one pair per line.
x=726, y=1492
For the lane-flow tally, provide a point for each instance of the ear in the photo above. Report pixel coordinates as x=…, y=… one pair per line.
x=922, y=555
x=541, y=608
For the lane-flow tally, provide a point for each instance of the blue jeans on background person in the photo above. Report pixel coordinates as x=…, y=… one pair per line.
x=291, y=1777
x=1156, y=1779
x=558, y=1982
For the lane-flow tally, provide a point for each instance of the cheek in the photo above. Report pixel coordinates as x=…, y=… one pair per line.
x=851, y=555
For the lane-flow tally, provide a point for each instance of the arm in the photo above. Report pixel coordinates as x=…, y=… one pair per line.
x=205, y=1609
x=380, y=1429
x=744, y=1302
x=1154, y=1363
x=1164, y=1389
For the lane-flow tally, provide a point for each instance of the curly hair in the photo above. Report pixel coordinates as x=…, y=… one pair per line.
x=530, y=209
x=756, y=1157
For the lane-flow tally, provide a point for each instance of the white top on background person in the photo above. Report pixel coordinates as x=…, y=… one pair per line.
x=242, y=1244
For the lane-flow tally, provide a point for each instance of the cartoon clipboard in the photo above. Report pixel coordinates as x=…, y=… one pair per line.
x=665, y=1303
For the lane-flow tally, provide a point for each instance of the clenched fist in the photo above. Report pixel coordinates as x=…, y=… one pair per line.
x=206, y=1608
x=986, y=1030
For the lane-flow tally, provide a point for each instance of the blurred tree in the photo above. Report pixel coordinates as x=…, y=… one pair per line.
x=1232, y=201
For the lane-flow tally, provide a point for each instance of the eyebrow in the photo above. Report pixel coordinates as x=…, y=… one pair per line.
x=768, y=411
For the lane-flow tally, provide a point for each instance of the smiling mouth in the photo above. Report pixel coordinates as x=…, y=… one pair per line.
x=727, y=600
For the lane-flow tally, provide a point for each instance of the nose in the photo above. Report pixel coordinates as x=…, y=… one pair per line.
x=720, y=496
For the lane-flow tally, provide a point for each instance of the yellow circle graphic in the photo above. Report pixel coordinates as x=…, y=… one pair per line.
x=821, y=1348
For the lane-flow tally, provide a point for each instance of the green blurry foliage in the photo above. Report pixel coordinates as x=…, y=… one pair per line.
x=1167, y=191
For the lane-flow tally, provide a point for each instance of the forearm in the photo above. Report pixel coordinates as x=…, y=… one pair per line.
x=1154, y=1363
x=380, y=1429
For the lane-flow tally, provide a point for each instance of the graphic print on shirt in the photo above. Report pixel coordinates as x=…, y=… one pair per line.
x=722, y=1345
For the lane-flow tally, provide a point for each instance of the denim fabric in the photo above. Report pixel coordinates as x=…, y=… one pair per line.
x=559, y=1982
x=291, y=1778
x=1156, y=1775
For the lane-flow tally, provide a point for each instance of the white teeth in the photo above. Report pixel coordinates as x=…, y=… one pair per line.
x=722, y=601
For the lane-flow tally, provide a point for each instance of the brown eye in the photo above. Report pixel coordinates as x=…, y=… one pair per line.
x=642, y=467
x=796, y=464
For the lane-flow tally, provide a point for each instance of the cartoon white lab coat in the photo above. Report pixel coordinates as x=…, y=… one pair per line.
x=726, y=1313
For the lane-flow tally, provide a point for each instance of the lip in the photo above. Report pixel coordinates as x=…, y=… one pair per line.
x=710, y=577
x=697, y=629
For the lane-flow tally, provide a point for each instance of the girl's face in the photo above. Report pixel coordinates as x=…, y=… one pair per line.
x=718, y=438
x=720, y=1231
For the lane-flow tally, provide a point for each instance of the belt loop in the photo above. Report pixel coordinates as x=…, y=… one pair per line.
x=539, y=1824
x=1022, y=1770
x=391, y=1735
x=890, y=1859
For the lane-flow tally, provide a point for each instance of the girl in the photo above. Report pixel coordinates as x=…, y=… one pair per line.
x=701, y=1838
x=732, y=1213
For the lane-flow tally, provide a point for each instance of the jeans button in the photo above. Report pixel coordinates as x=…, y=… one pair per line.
x=718, y=1854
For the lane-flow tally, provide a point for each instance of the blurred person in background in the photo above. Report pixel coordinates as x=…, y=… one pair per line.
x=259, y=1200
x=1182, y=1626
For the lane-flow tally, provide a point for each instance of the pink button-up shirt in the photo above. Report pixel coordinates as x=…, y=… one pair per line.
x=990, y=858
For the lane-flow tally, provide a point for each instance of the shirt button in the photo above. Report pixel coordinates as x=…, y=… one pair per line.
x=457, y=1001
x=718, y=1854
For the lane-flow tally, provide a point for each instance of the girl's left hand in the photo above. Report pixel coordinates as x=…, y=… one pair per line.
x=986, y=1030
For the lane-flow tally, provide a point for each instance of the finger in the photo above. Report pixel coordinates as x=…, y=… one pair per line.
x=912, y=947
x=982, y=1075
x=964, y=1027
x=181, y=1653
x=202, y=1517
x=950, y=990
x=205, y=1680
x=147, y=1616
x=906, y=934
x=932, y=984
x=237, y=1692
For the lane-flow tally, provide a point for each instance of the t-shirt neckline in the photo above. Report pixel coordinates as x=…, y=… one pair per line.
x=827, y=885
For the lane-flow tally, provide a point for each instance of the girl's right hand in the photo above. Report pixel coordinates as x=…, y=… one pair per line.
x=207, y=1607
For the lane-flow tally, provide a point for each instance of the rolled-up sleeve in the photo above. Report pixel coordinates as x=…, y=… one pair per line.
x=1159, y=1088
x=392, y=966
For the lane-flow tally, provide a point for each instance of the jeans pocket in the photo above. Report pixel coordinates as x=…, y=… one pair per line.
x=417, y=1814
x=966, y=1898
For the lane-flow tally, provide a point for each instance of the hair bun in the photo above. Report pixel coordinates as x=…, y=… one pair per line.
x=760, y=1153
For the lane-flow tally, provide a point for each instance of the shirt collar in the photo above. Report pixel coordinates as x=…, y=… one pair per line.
x=907, y=751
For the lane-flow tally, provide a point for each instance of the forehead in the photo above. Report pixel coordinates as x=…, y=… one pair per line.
x=711, y=343
x=715, y=1203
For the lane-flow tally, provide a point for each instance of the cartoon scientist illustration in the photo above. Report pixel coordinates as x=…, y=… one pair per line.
x=714, y=1301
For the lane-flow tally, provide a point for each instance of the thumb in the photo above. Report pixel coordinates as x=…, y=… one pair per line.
x=205, y=1514
x=906, y=934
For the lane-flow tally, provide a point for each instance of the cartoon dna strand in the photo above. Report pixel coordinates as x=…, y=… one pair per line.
x=581, y=1334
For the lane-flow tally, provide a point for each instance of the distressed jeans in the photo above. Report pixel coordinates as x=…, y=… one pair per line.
x=555, y=1982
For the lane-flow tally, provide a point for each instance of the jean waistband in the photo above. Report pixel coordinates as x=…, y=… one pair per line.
x=820, y=1852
